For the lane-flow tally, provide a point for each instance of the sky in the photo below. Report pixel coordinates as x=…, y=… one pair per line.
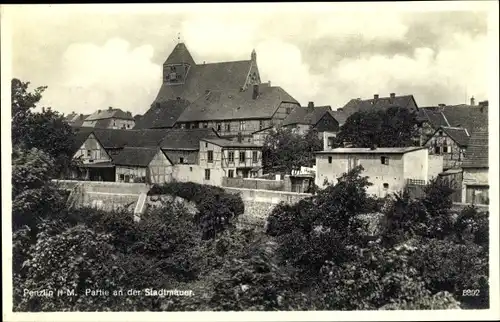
x=93, y=57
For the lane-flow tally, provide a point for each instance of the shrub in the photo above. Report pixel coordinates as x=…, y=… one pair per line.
x=472, y=225
x=448, y=266
x=216, y=208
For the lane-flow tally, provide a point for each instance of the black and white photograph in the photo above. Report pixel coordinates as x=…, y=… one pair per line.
x=250, y=161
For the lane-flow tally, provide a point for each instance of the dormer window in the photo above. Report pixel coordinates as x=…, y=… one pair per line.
x=172, y=77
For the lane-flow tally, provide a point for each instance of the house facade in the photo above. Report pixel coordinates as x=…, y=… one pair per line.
x=111, y=118
x=475, y=185
x=388, y=169
x=148, y=165
x=451, y=143
x=92, y=161
x=223, y=158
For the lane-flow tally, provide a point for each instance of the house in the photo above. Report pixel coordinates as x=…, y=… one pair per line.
x=162, y=115
x=235, y=112
x=471, y=117
x=137, y=164
x=377, y=102
x=388, y=169
x=76, y=120
x=475, y=184
x=224, y=158
x=303, y=119
x=451, y=143
x=259, y=136
x=112, y=118
x=91, y=160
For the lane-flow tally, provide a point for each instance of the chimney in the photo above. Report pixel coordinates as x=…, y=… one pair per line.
x=441, y=105
x=110, y=108
x=255, y=91
x=99, y=111
x=310, y=106
x=340, y=109
x=375, y=97
x=269, y=83
x=81, y=116
x=472, y=101
x=393, y=95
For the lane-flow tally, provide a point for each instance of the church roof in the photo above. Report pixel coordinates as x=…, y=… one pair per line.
x=180, y=54
x=200, y=78
x=235, y=104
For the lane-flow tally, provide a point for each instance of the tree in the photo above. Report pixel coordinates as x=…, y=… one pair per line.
x=46, y=130
x=284, y=150
x=33, y=195
x=394, y=127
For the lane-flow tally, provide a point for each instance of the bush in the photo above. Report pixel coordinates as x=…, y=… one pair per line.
x=448, y=266
x=216, y=208
x=472, y=225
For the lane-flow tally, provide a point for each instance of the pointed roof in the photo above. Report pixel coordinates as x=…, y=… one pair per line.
x=162, y=114
x=476, y=155
x=306, y=115
x=180, y=54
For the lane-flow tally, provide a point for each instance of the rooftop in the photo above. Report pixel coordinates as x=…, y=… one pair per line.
x=110, y=113
x=135, y=156
x=162, y=114
x=307, y=115
x=476, y=155
x=370, y=151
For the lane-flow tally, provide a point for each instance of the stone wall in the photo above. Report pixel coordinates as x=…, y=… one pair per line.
x=268, y=196
x=260, y=184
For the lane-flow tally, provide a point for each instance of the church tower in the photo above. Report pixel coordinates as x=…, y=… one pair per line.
x=176, y=67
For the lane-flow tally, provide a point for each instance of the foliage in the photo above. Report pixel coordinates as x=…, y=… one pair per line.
x=46, y=130
x=447, y=266
x=328, y=218
x=372, y=277
x=284, y=150
x=33, y=195
x=438, y=301
x=217, y=208
x=472, y=225
x=394, y=127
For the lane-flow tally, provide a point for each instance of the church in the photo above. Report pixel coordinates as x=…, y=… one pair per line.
x=226, y=96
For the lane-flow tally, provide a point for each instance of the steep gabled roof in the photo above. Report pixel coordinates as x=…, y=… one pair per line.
x=200, y=78
x=457, y=134
x=180, y=54
x=186, y=139
x=135, y=156
x=476, y=155
x=359, y=105
x=472, y=118
x=162, y=115
x=236, y=104
x=118, y=138
x=306, y=115
x=81, y=135
x=109, y=113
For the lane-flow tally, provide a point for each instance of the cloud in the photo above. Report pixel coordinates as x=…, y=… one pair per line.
x=93, y=77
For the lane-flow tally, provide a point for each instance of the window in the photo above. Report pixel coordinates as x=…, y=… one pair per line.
x=329, y=159
x=219, y=127
x=242, y=157
x=330, y=142
x=89, y=153
x=230, y=156
x=384, y=160
x=207, y=174
x=191, y=169
x=230, y=173
x=440, y=133
x=445, y=148
x=122, y=177
x=386, y=186
x=242, y=125
x=477, y=195
x=205, y=125
x=183, y=126
x=127, y=178
x=181, y=160
x=228, y=127
x=288, y=110
x=261, y=125
x=128, y=126
x=254, y=156
x=437, y=150
x=206, y=144
x=210, y=156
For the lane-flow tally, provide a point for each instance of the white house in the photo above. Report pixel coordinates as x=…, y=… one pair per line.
x=389, y=169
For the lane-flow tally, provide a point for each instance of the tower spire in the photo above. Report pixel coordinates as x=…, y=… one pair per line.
x=178, y=37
